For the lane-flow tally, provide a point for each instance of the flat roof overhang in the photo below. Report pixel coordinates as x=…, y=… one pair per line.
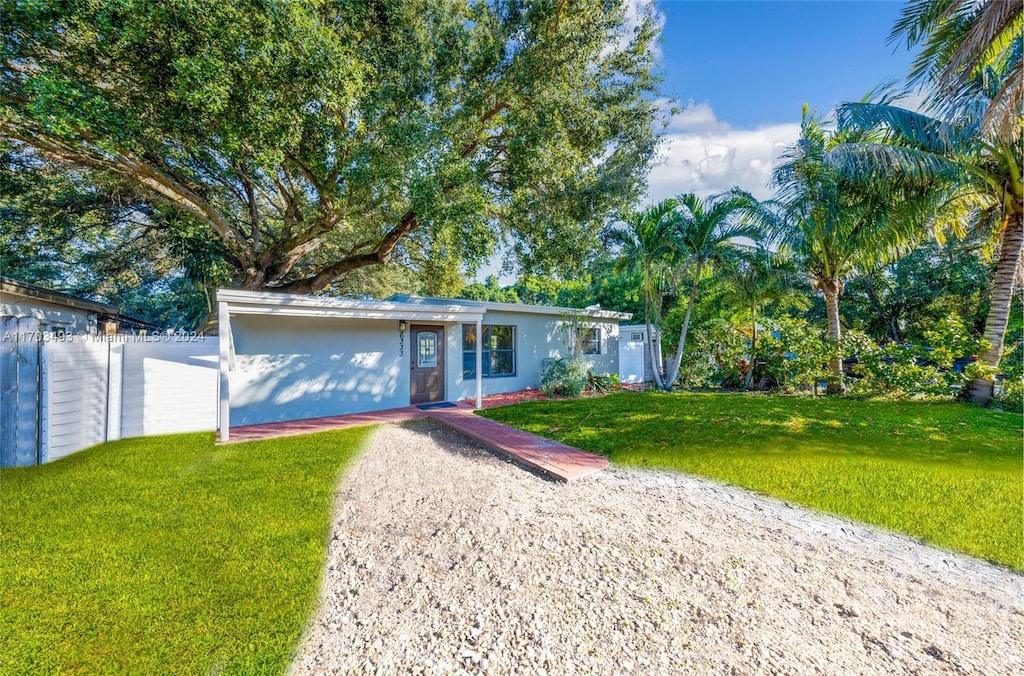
x=295, y=305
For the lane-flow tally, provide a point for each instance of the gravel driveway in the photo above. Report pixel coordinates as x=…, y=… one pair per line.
x=444, y=557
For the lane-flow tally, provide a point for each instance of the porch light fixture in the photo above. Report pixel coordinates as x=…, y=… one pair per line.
x=402, y=325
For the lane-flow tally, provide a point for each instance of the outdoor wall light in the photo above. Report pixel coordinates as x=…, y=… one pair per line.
x=402, y=325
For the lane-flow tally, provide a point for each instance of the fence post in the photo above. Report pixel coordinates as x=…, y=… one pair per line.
x=115, y=384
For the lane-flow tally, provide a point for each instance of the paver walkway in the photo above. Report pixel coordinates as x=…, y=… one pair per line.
x=287, y=428
x=558, y=460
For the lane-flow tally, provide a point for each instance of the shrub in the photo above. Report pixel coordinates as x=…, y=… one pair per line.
x=712, y=354
x=894, y=371
x=602, y=382
x=919, y=371
x=567, y=376
x=794, y=354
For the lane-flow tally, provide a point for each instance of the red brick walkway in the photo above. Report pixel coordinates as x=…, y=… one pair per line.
x=288, y=428
x=560, y=461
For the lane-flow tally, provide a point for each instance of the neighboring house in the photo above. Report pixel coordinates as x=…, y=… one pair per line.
x=635, y=364
x=63, y=313
x=292, y=357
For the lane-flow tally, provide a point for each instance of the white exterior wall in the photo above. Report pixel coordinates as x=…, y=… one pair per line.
x=538, y=337
x=168, y=387
x=50, y=316
x=292, y=368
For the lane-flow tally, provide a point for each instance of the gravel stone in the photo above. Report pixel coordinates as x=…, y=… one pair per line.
x=445, y=558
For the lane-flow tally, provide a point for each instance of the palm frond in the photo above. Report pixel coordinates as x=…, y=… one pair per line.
x=904, y=126
x=991, y=31
x=1003, y=117
x=897, y=165
x=916, y=19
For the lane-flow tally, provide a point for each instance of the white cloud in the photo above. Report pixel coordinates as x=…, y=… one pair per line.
x=704, y=155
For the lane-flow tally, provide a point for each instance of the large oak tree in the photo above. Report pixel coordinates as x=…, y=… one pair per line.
x=317, y=138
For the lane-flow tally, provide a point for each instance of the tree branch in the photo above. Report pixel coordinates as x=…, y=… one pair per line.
x=382, y=254
x=128, y=165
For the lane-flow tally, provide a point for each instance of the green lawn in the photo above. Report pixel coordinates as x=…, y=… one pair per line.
x=166, y=554
x=948, y=473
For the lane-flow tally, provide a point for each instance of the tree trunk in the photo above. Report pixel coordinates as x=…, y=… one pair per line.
x=753, y=356
x=831, y=289
x=677, y=360
x=655, y=354
x=979, y=390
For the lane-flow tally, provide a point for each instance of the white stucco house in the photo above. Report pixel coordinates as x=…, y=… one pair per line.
x=293, y=357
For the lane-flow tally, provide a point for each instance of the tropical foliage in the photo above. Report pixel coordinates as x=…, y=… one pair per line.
x=834, y=227
x=969, y=47
x=976, y=175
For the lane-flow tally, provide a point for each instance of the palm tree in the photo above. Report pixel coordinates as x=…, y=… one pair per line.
x=835, y=226
x=703, y=233
x=646, y=247
x=977, y=176
x=760, y=279
x=966, y=47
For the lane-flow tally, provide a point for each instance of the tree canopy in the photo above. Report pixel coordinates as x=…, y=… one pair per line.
x=313, y=139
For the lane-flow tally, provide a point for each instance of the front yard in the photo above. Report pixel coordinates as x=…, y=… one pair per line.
x=172, y=554
x=166, y=554
x=947, y=473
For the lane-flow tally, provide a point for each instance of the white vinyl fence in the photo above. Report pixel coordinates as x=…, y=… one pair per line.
x=59, y=395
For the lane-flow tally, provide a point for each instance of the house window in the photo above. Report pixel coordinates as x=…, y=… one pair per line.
x=636, y=337
x=498, y=351
x=590, y=341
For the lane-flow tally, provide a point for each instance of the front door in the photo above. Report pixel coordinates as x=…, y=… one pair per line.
x=426, y=382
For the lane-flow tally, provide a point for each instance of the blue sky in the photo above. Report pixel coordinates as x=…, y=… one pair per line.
x=743, y=70
x=757, y=62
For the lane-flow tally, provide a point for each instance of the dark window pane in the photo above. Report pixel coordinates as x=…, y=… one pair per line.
x=469, y=336
x=503, y=363
x=498, y=355
x=502, y=338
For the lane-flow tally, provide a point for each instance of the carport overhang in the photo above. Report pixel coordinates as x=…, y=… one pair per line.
x=236, y=302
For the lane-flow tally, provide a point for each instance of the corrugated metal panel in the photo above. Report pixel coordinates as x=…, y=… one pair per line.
x=8, y=391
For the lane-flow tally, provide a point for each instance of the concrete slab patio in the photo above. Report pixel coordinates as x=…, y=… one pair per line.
x=561, y=462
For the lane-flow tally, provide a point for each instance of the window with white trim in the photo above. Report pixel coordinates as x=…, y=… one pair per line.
x=498, y=351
